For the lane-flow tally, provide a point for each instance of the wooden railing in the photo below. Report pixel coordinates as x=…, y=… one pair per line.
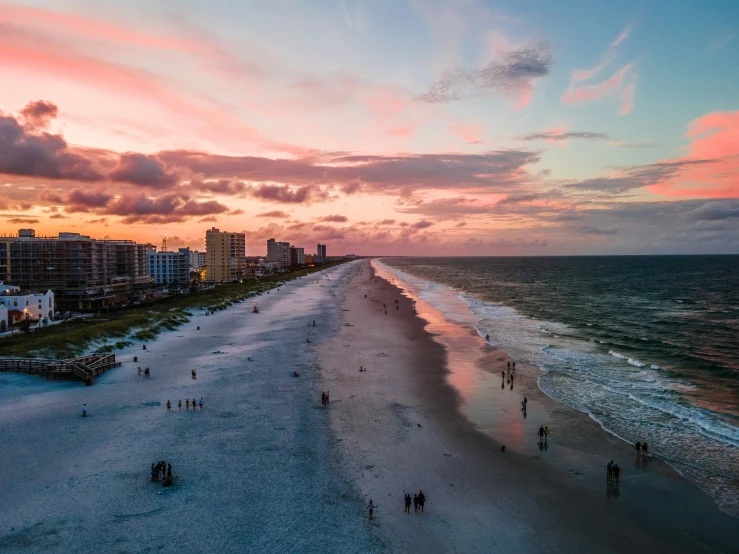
x=85, y=368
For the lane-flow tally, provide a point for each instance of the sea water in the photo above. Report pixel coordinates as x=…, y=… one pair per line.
x=647, y=346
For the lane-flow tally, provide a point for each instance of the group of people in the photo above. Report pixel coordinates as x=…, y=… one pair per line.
x=612, y=472
x=187, y=405
x=511, y=375
x=146, y=372
x=161, y=470
x=324, y=399
x=418, y=500
x=642, y=449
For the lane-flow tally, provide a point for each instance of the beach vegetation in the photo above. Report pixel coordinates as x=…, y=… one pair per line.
x=122, y=327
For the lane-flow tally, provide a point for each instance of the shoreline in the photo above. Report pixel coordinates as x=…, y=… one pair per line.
x=593, y=440
x=545, y=501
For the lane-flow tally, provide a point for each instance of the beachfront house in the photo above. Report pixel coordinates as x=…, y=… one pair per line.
x=20, y=305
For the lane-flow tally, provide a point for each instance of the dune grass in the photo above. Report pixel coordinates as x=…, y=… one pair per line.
x=117, y=329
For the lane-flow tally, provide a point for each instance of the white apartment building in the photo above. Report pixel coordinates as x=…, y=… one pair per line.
x=21, y=305
x=278, y=252
x=197, y=259
x=170, y=268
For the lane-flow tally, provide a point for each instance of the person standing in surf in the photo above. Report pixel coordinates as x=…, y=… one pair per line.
x=371, y=508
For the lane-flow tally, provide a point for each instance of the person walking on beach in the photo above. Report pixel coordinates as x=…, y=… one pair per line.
x=84, y=410
x=187, y=405
x=371, y=508
x=179, y=405
x=169, y=406
x=140, y=371
x=146, y=372
x=201, y=403
x=637, y=447
x=415, y=502
x=407, y=503
x=421, y=499
x=194, y=404
x=546, y=432
x=509, y=366
x=541, y=433
x=609, y=472
x=644, y=449
x=194, y=374
x=616, y=472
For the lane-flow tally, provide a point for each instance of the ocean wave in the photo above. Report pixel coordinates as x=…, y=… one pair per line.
x=632, y=404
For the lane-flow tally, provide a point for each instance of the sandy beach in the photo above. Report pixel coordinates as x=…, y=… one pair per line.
x=265, y=468
x=404, y=427
x=257, y=470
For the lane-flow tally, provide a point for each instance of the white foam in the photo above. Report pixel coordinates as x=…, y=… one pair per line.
x=632, y=405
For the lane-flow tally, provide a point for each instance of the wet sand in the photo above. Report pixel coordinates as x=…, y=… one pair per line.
x=402, y=426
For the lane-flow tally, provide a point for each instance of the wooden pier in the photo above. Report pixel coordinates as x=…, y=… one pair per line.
x=84, y=368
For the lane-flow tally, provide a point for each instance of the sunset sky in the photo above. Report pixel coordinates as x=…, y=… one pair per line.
x=420, y=127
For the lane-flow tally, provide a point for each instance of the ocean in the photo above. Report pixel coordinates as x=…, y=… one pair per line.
x=647, y=346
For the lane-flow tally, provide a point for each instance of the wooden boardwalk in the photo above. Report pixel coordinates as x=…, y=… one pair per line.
x=84, y=368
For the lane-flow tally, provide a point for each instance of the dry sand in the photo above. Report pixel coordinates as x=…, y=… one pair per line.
x=265, y=468
x=401, y=429
x=257, y=468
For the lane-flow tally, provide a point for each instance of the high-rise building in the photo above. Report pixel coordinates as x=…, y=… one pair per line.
x=82, y=272
x=278, y=252
x=170, y=268
x=225, y=255
x=297, y=256
x=197, y=259
x=320, y=253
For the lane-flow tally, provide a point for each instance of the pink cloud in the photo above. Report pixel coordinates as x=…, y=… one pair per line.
x=710, y=169
x=627, y=99
x=468, y=132
x=102, y=32
x=623, y=36
x=589, y=93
